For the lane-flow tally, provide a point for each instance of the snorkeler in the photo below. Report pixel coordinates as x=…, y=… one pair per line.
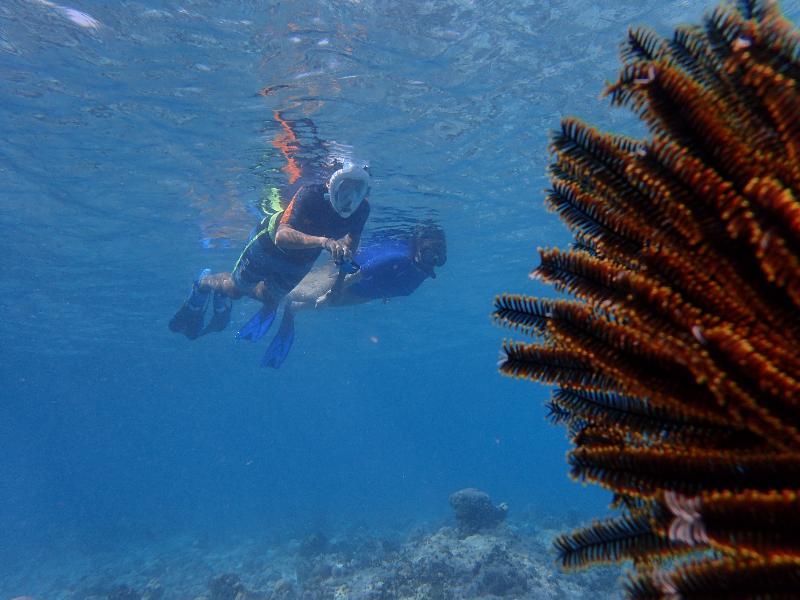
x=321, y=216
x=388, y=268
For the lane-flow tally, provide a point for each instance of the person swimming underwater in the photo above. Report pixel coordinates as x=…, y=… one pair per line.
x=386, y=268
x=282, y=251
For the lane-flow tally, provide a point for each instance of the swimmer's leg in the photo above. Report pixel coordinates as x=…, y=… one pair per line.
x=225, y=291
x=189, y=319
x=223, y=283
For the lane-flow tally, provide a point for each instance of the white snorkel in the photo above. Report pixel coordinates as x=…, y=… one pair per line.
x=347, y=188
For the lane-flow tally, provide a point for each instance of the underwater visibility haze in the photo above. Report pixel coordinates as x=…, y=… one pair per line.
x=140, y=139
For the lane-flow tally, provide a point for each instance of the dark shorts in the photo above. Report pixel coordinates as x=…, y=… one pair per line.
x=278, y=273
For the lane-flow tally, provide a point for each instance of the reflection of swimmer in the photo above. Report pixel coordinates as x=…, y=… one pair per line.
x=223, y=217
x=283, y=249
x=388, y=268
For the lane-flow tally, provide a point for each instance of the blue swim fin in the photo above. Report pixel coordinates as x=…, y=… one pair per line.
x=281, y=344
x=257, y=326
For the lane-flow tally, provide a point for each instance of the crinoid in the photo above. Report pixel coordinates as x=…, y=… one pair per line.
x=678, y=359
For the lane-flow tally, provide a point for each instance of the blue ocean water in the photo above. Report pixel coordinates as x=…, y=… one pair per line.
x=136, y=141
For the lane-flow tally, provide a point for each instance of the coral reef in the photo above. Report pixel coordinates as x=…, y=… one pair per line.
x=443, y=565
x=152, y=591
x=475, y=511
x=227, y=587
x=676, y=363
x=514, y=561
x=313, y=544
x=123, y=592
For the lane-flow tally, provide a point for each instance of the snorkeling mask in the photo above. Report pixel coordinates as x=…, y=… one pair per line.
x=347, y=189
x=430, y=247
x=434, y=256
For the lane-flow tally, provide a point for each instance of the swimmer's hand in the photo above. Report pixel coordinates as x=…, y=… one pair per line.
x=339, y=252
x=341, y=284
x=324, y=300
x=352, y=278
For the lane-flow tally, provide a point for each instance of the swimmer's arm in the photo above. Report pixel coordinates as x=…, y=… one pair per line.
x=352, y=279
x=350, y=241
x=288, y=238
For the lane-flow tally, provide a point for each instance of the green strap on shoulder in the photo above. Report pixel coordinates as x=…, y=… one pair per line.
x=272, y=207
x=271, y=201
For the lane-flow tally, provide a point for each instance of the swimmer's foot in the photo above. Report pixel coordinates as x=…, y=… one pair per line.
x=189, y=318
x=222, y=314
